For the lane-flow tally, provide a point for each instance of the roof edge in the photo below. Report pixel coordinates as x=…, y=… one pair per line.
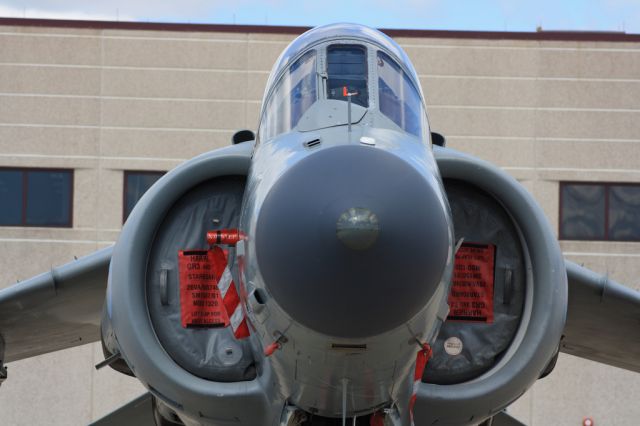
x=295, y=30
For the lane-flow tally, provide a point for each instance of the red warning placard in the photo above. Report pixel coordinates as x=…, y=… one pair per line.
x=200, y=301
x=471, y=295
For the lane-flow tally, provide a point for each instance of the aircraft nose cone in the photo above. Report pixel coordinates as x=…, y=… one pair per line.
x=357, y=228
x=352, y=241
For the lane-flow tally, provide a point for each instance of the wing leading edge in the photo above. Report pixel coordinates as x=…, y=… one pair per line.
x=55, y=310
x=603, y=319
x=138, y=412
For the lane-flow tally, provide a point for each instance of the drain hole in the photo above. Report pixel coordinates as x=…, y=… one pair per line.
x=260, y=296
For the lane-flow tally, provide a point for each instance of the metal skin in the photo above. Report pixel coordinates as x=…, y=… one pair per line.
x=346, y=261
x=344, y=313
x=542, y=324
x=314, y=297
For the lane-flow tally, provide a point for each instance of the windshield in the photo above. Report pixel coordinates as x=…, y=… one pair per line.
x=293, y=95
x=347, y=68
x=399, y=100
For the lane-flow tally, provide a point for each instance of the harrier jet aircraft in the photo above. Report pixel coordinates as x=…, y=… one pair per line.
x=340, y=267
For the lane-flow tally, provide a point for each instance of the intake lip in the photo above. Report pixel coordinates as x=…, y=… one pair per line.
x=352, y=241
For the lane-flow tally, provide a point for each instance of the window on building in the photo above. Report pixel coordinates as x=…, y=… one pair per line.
x=600, y=211
x=36, y=197
x=135, y=185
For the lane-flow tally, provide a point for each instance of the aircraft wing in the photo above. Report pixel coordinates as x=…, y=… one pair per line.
x=138, y=412
x=603, y=319
x=55, y=310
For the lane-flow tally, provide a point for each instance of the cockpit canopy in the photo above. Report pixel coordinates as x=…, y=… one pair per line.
x=343, y=63
x=347, y=73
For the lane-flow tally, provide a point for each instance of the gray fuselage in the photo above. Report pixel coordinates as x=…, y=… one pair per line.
x=349, y=242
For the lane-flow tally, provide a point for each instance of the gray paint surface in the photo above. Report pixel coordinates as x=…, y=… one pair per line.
x=55, y=310
x=545, y=309
x=209, y=353
x=603, y=319
x=317, y=274
x=197, y=399
x=479, y=219
x=137, y=412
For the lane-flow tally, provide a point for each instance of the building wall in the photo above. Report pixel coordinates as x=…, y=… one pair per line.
x=101, y=101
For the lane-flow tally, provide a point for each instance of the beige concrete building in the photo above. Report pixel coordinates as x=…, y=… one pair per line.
x=100, y=99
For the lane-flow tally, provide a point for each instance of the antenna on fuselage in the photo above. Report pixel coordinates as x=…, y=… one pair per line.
x=348, y=95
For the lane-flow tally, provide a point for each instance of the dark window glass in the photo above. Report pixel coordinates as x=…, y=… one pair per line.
x=10, y=197
x=604, y=211
x=624, y=212
x=583, y=212
x=48, y=198
x=347, y=67
x=31, y=197
x=135, y=185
